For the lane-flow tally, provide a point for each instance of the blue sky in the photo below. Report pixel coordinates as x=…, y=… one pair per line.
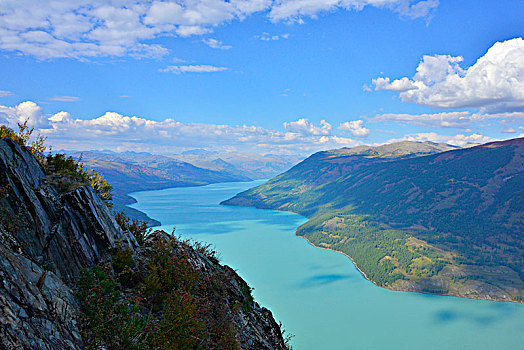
x=261, y=75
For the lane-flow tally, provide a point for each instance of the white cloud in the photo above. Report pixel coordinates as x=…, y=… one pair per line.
x=494, y=83
x=355, y=127
x=344, y=141
x=399, y=85
x=92, y=28
x=203, y=68
x=216, y=44
x=417, y=9
x=294, y=10
x=185, y=31
x=509, y=130
x=25, y=111
x=285, y=93
x=305, y=127
x=445, y=119
x=4, y=93
x=65, y=98
x=119, y=132
x=267, y=37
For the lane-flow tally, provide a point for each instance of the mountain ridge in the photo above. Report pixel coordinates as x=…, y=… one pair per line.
x=141, y=171
x=457, y=214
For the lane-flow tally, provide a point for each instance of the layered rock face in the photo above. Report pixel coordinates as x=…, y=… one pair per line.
x=47, y=238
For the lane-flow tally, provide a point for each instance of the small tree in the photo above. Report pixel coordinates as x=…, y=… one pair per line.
x=23, y=136
x=137, y=228
x=74, y=169
x=99, y=184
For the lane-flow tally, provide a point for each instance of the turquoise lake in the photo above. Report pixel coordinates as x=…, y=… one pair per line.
x=319, y=295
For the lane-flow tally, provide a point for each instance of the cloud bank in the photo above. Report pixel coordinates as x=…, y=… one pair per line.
x=461, y=120
x=495, y=83
x=81, y=29
x=457, y=140
x=119, y=132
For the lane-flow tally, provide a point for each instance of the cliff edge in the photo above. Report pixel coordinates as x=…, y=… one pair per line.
x=50, y=238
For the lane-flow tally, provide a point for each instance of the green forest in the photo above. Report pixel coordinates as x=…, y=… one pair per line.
x=411, y=215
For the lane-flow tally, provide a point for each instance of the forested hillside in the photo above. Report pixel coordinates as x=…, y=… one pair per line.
x=450, y=222
x=130, y=172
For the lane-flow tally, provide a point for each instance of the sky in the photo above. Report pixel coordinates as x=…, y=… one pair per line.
x=262, y=76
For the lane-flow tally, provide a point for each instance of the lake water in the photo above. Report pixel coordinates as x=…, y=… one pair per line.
x=319, y=295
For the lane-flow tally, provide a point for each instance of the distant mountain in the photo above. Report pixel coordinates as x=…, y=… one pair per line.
x=255, y=166
x=141, y=171
x=323, y=167
x=130, y=172
x=414, y=216
x=198, y=151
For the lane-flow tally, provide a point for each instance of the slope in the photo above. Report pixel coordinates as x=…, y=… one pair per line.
x=447, y=223
x=75, y=277
x=130, y=172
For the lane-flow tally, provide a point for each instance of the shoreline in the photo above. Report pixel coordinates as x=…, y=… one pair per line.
x=400, y=290
x=338, y=251
x=396, y=289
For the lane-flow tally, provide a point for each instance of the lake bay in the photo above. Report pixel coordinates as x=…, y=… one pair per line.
x=319, y=295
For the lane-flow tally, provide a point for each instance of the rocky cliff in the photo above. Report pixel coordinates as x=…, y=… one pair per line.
x=48, y=237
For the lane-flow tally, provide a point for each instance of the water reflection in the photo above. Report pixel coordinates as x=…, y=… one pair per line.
x=320, y=280
x=318, y=294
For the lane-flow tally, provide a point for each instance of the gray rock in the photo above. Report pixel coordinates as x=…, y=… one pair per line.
x=48, y=237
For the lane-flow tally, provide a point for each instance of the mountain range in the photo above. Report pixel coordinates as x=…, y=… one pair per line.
x=141, y=171
x=414, y=216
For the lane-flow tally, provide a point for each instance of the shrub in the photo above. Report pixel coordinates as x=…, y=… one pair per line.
x=99, y=184
x=206, y=249
x=22, y=137
x=190, y=300
x=136, y=227
x=168, y=273
x=182, y=325
x=107, y=319
x=74, y=170
x=122, y=259
x=247, y=305
x=182, y=308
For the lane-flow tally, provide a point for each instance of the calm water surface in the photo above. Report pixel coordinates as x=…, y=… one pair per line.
x=319, y=295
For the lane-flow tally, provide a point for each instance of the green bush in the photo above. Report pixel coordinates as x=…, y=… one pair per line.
x=107, y=319
x=247, y=305
x=23, y=136
x=170, y=304
x=136, y=227
x=59, y=164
